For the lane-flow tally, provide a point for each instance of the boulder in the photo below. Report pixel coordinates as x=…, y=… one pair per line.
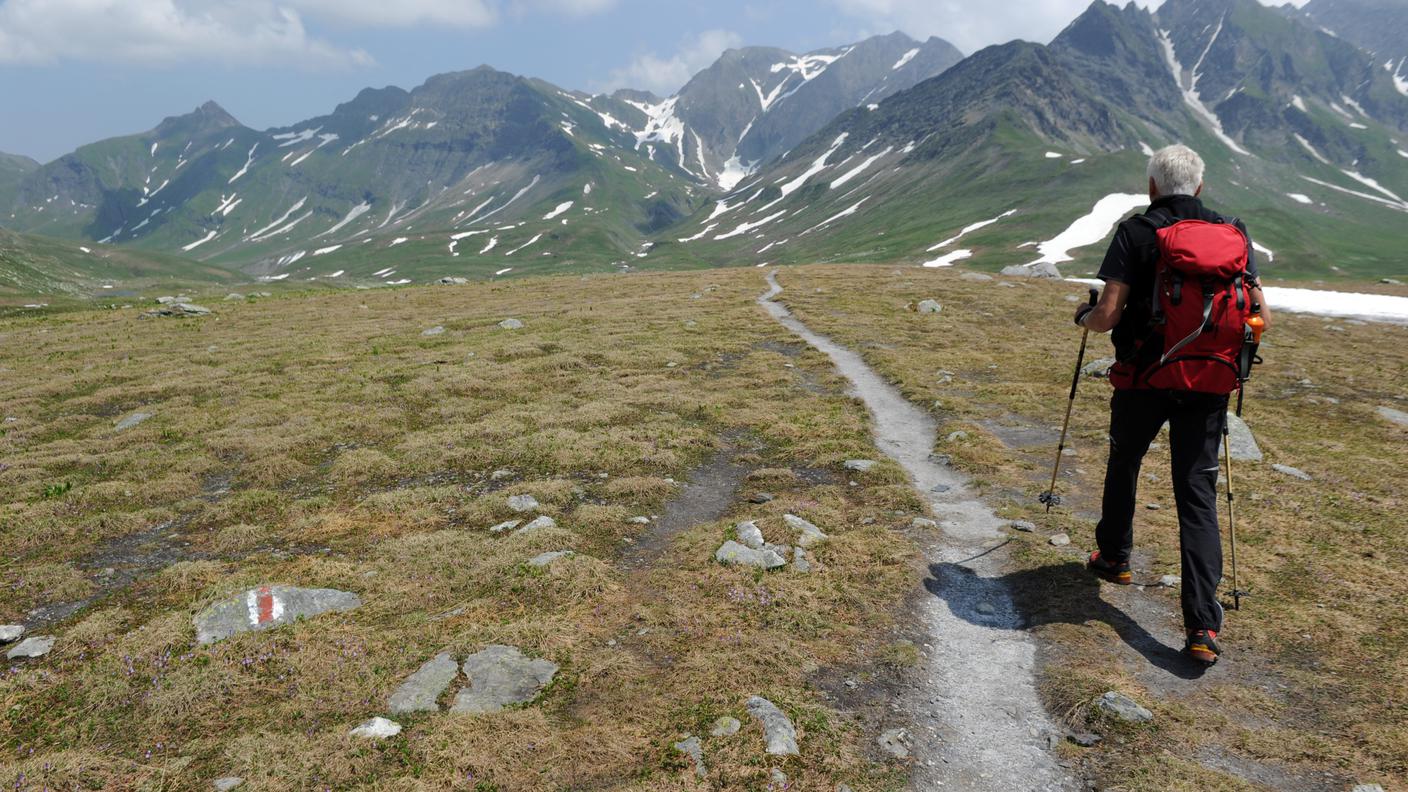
x=1040, y=269
x=694, y=749
x=1243, y=444
x=930, y=307
x=422, y=690
x=1123, y=707
x=501, y=676
x=511, y=324
x=732, y=552
x=810, y=534
x=263, y=607
x=33, y=646
x=725, y=726
x=131, y=421
x=778, y=731
x=377, y=728
x=546, y=559
x=522, y=503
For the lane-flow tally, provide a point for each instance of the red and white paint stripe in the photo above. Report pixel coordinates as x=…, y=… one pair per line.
x=264, y=607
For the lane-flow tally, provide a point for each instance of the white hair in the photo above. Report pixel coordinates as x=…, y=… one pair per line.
x=1176, y=170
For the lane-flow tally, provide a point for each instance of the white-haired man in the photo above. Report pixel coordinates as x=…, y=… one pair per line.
x=1128, y=306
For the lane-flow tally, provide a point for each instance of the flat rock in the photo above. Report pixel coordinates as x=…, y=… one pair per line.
x=1170, y=581
x=227, y=783
x=522, y=503
x=433, y=331
x=33, y=646
x=896, y=743
x=1041, y=269
x=547, y=558
x=453, y=281
x=694, y=749
x=263, y=607
x=750, y=535
x=1243, y=444
x=641, y=520
x=923, y=523
x=975, y=277
x=511, y=324
x=1123, y=707
x=810, y=534
x=1085, y=739
x=422, y=690
x=1292, y=472
x=725, y=726
x=1060, y=540
x=10, y=632
x=539, y=523
x=176, y=309
x=1396, y=416
x=732, y=552
x=501, y=474
x=860, y=465
x=501, y=676
x=377, y=728
x=762, y=497
x=799, y=560
x=1367, y=788
x=1098, y=369
x=132, y=420
x=778, y=731
x=930, y=307
x=1023, y=525
x=506, y=525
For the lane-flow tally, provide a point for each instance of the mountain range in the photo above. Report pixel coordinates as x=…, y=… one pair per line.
x=884, y=150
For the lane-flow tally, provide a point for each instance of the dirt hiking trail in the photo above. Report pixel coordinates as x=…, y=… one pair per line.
x=976, y=720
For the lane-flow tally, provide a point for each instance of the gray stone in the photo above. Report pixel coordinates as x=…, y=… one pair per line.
x=501, y=474
x=177, y=309
x=502, y=676
x=642, y=520
x=1041, y=269
x=860, y=465
x=732, y=552
x=1396, y=416
x=975, y=277
x=1292, y=472
x=1060, y=540
x=421, y=691
x=694, y=749
x=522, y=503
x=165, y=300
x=799, y=561
x=33, y=646
x=453, y=281
x=777, y=779
x=538, y=523
x=762, y=497
x=547, y=558
x=1367, y=788
x=511, y=324
x=1123, y=707
x=377, y=728
x=778, y=731
x=10, y=632
x=1098, y=369
x=811, y=535
x=896, y=742
x=506, y=525
x=1170, y=581
x=434, y=331
x=954, y=437
x=132, y=420
x=1086, y=739
x=1243, y=444
x=1153, y=506
x=725, y=726
x=227, y=783
x=923, y=523
x=930, y=307
x=750, y=535
x=263, y=607
x=233, y=296
x=1023, y=525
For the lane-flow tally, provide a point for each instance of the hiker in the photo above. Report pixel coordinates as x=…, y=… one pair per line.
x=1188, y=389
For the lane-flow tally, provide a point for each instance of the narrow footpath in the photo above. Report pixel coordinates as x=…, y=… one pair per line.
x=975, y=717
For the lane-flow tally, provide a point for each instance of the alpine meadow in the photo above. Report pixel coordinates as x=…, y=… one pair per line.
x=501, y=435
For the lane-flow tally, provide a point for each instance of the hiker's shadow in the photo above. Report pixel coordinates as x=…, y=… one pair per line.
x=1056, y=594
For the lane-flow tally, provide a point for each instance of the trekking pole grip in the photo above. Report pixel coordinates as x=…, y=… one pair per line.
x=1094, y=296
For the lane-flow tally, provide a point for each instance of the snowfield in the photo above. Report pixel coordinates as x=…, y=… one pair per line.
x=1092, y=228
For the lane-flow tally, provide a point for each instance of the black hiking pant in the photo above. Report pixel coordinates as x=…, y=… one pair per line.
x=1195, y=422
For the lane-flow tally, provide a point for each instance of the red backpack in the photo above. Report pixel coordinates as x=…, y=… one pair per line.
x=1200, y=308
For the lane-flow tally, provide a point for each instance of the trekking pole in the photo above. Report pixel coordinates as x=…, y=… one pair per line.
x=1250, y=342
x=1050, y=498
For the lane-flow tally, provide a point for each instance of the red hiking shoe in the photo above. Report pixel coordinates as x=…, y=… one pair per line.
x=1118, y=573
x=1202, y=646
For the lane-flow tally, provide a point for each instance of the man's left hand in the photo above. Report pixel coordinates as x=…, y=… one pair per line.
x=1082, y=310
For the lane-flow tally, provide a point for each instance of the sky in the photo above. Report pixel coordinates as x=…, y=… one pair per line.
x=76, y=71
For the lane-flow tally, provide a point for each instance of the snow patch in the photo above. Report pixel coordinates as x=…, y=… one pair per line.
x=327, y=250
x=398, y=241
x=1091, y=228
x=948, y=259
x=816, y=167
x=1376, y=307
x=493, y=243
x=1299, y=103
x=1300, y=198
x=1264, y=250
x=701, y=234
x=294, y=138
x=249, y=158
x=1366, y=196
x=1146, y=149
x=525, y=244
x=904, y=59
x=844, y=213
x=746, y=227
x=1305, y=144
x=265, y=230
x=201, y=241
x=562, y=207
x=1053, y=155
x=1190, y=90
x=970, y=229
x=857, y=170
x=352, y=214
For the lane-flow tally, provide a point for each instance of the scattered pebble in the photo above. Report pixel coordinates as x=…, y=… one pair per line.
x=546, y=559
x=1123, y=707
x=434, y=331
x=1152, y=506
x=1086, y=739
x=762, y=497
x=799, y=561
x=377, y=728
x=930, y=307
x=227, y=783
x=1060, y=540
x=954, y=437
x=511, y=324
x=538, y=523
x=639, y=520
x=1170, y=581
x=506, y=525
x=1023, y=525
x=923, y=523
x=1292, y=472
x=1396, y=416
x=522, y=503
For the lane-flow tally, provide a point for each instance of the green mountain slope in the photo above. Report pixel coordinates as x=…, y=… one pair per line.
x=34, y=265
x=13, y=168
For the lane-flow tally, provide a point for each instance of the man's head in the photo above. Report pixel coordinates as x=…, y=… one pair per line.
x=1175, y=170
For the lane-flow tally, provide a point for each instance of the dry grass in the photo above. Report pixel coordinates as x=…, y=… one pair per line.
x=1324, y=685
x=322, y=441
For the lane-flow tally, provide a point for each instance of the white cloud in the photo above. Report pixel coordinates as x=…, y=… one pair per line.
x=399, y=13
x=569, y=7
x=664, y=75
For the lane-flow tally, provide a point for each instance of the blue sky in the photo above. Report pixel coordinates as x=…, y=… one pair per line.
x=76, y=71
